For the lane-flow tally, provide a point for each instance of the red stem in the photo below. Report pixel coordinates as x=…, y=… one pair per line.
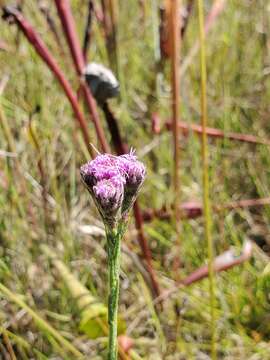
x=193, y=209
x=213, y=132
x=46, y=56
x=144, y=247
x=222, y=262
x=68, y=24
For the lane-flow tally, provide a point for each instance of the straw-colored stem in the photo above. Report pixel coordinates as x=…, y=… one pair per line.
x=206, y=198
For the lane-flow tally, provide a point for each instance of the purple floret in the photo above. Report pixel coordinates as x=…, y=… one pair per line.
x=109, y=192
x=108, y=195
x=102, y=167
x=133, y=170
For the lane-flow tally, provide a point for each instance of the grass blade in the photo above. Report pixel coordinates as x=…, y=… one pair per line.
x=205, y=169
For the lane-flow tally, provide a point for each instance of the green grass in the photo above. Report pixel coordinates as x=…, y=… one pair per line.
x=238, y=100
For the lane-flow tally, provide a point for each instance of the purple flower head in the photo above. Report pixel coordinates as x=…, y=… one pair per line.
x=113, y=182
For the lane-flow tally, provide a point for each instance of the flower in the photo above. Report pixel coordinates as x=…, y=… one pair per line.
x=113, y=182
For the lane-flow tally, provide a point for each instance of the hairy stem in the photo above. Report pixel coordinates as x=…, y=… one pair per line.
x=114, y=237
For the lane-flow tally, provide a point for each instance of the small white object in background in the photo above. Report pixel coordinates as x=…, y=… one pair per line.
x=102, y=82
x=91, y=230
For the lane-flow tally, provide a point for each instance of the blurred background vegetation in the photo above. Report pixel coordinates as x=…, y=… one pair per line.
x=53, y=277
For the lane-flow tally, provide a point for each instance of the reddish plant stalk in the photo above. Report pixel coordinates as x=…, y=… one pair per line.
x=213, y=132
x=164, y=31
x=46, y=56
x=245, y=203
x=187, y=128
x=98, y=12
x=188, y=210
x=223, y=262
x=68, y=24
x=145, y=248
x=193, y=209
x=175, y=62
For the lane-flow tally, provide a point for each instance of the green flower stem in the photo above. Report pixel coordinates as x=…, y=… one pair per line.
x=114, y=237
